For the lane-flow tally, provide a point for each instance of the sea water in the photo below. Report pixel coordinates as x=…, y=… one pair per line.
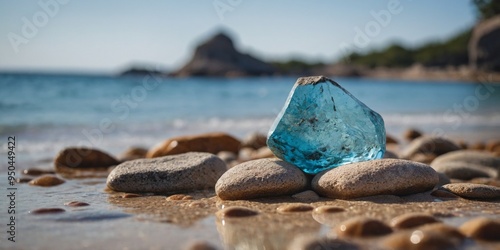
x=48, y=112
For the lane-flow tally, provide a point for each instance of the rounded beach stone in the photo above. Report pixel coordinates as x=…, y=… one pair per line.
x=377, y=177
x=472, y=191
x=236, y=212
x=429, y=145
x=307, y=195
x=412, y=134
x=200, y=245
x=482, y=229
x=179, y=197
x=71, y=159
x=46, y=181
x=411, y=220
x=464, y=170
x=133, y=153
x=362, y=227
x=294, y=208
x=484, y=159
x=315, y=243
x=420, y=240
x=441, y=228
x=37, y=172
x=329, y=209
x=209, y=143
x=260, y=178
x=76, y=204
x=255, y=141
x=176, y=173
x=47, y=211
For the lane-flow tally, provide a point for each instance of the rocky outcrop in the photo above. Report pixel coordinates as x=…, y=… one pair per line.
x=484, y=48
x=219, y=57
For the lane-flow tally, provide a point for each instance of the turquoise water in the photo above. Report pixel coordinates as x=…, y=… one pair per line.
x=49, y=112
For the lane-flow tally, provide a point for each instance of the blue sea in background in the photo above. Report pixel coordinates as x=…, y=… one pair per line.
x=47, y=113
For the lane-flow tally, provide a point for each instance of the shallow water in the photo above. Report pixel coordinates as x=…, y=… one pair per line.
x=50, y=112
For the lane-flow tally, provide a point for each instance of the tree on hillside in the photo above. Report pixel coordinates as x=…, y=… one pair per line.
x=487, y=8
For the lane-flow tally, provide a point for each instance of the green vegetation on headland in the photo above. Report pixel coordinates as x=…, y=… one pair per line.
x=470, y=55
x=452, y=52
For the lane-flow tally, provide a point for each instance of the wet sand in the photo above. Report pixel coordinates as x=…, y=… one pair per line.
x=153, y=222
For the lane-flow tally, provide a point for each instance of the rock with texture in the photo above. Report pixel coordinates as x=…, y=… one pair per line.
x=46, y=181
x=472, y=191
x=209, y=143
x=429, y=145
x=219, y=57
x=71, y=159
x=323, y=126
x=362, y=227
x=377, y=177
x=482, y=229
x=260, y=178
x=463, y=170
x=468, y=164
x=484, y=49
x=176, y=173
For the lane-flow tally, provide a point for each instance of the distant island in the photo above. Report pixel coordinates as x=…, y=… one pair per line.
x=470, y=55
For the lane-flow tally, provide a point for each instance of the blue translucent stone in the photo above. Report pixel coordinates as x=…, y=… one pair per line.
x=323, y=126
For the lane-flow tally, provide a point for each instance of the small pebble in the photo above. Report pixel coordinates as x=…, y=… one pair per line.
x=473, y=191
x=198, y=204
x=254, y=140
x=318, y=243
x=441, y=228
x=307, y=195
x=236, y=212
x=482, y=229
x=47, y=211
x=411, y=220
x=362, y=227
x=76, y=204
x=419, y=240
x=179, y=197
x=412, y=134
x=46, y=181
x=429, y=145
x=130, y=195
x=23, y=180
x=200, y=245
x=293, y=208
x=328, y=209
x=71, y=159
x=37, y=171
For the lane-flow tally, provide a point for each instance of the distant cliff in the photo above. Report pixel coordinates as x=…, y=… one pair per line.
x=219, y=57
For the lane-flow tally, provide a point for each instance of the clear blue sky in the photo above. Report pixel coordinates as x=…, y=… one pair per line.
x=106, y=36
